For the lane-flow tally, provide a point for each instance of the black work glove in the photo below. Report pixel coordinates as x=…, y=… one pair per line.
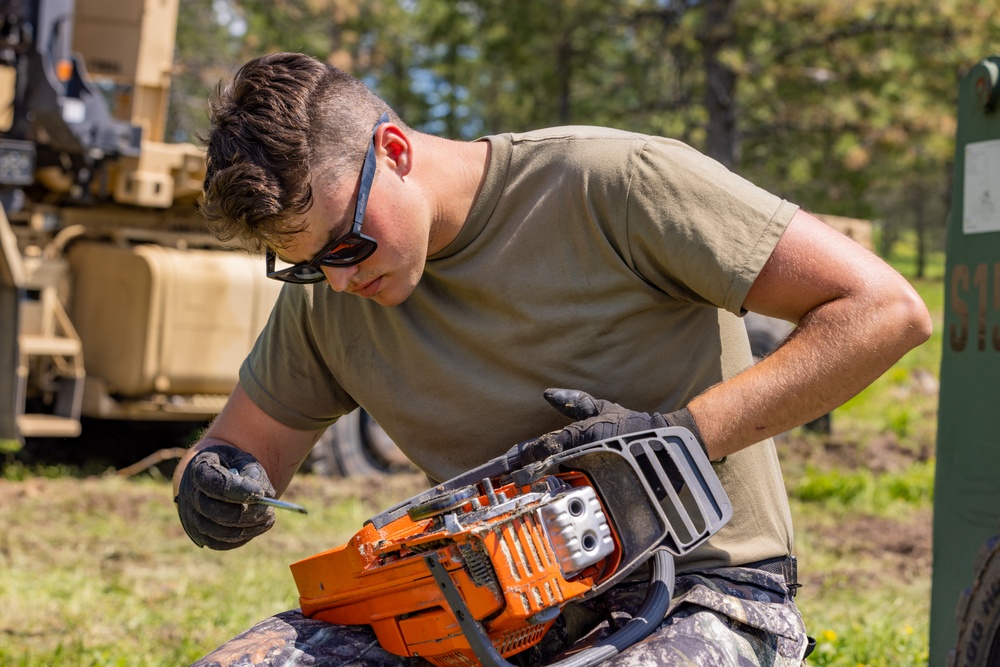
x=214, y=497
x=597, y=419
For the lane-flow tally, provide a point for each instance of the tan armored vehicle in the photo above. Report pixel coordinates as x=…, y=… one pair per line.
x=115, y=303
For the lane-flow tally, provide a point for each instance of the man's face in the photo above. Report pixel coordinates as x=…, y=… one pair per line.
x=393, y=218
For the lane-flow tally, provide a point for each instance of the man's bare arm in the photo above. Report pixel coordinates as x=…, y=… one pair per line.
x=279, y=448
x=856, y=316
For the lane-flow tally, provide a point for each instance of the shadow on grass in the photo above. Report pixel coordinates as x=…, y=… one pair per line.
x=104, y=446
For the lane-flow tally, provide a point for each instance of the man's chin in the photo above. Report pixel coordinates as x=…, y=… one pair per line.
x=392, y=289
x=391, y=297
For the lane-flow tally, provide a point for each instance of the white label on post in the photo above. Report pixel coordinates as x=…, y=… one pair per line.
x=981, y=196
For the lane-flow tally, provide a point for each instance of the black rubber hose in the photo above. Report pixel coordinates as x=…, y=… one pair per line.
x=646, y=620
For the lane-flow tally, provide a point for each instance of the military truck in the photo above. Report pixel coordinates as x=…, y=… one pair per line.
x=116, y=305
x=965, y=591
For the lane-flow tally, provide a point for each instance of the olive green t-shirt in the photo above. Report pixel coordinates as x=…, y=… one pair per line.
x=592, y=259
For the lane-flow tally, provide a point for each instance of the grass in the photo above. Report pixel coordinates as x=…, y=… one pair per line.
x=876, y=632
x=863, y=543
x=98, y=571
x=861, y=490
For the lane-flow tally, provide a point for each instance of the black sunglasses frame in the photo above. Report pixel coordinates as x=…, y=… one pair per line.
x=351, y=248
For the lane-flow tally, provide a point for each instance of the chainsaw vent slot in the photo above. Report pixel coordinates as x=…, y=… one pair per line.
x=455, y=659
x=675, y=496
x=513, y=641
x=479, y=566
x=515, y=552
x=520, y=639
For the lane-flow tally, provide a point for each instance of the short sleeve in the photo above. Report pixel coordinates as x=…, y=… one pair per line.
x=285, y=374
x=696, y=230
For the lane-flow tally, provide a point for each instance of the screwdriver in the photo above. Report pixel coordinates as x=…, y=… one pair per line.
x=281, y=504
x=274, y=502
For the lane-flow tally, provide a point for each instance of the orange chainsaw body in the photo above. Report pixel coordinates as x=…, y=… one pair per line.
x=505, y=568
x=466, y=574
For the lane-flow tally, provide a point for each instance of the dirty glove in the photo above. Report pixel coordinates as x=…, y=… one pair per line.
x=214, y=497
x=597, y=419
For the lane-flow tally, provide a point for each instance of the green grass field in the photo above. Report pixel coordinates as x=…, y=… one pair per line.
x=99, y=572
x=96, y=570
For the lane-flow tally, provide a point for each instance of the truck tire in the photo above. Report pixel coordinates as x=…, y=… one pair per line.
x=978, y=613
x=765, y=333
x=356, y=446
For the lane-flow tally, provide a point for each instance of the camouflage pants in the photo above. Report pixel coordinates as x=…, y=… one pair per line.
x=726, y=616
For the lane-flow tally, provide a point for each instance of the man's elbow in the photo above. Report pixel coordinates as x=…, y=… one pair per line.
x=912, y=319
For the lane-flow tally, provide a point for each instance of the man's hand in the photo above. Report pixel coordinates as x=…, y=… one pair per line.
x=215, y=497
x=597, y=419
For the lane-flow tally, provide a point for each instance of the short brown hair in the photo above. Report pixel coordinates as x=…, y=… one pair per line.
x=283, y=117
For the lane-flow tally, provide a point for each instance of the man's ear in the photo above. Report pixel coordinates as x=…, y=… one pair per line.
x=396, y=146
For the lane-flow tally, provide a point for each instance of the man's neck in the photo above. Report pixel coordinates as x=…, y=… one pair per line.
x=454, y=172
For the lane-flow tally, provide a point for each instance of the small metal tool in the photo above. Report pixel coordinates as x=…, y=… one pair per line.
x=281, y=504
x=274, y=502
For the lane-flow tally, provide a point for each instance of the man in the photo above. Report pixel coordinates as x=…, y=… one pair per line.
x=451, y=283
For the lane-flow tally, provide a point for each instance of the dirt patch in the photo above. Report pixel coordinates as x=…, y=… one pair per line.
x=901, y=549
x=882, y=454
x=887, y=454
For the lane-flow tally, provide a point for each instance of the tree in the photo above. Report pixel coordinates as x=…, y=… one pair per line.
x=845, y=108
x=856, y=115
x=205, y=52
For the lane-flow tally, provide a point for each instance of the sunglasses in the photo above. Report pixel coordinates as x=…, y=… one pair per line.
x=351, y=248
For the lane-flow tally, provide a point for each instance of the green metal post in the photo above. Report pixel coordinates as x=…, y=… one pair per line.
x=967, y=482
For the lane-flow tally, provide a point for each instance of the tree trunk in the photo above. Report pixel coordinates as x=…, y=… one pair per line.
x=920, y=227
x=722, y=142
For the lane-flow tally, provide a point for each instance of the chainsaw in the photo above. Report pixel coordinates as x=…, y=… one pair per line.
x=478, y=569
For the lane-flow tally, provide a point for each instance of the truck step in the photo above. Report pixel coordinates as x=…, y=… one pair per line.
x=35, y=345
x=39, y=425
